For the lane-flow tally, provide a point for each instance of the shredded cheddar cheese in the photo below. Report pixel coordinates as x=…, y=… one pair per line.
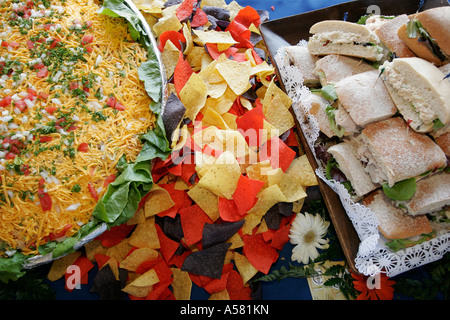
x=71, y=105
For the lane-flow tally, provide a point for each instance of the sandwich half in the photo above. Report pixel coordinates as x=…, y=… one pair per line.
x=345, y=38
x=431, y=195
x=419, y=91
x=398, y=228
x=333, y=68
x=344, y=154
x=391, y=152
x=365, y=98
x=427, y=34
x=305, y=62
x=387, y=32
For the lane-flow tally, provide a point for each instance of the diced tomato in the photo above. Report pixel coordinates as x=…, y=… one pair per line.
x=30, y=4
x=25, y=169
x=89, y=49
x=109, y=179
x=10, y=156
x=119, y=106
x=21, y=105
x=51, y=109
x=45, y=139
x=41, y=183
x=38, y=66
x=47, y=26
x=73, y=85
x=72, y=128
x=14, y=149
x=87, y=39
x=83, y=147
x=42, y=95
x=45, y=200
x=42, y=73
x=5, y=44
x=6, y=101
x=13, y=44
x=111, y=102
x=30, y=44
x=93, y=191
x=54, y=43
x=31, y=91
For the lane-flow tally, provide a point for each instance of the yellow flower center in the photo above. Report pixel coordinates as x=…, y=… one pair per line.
x=310, y=237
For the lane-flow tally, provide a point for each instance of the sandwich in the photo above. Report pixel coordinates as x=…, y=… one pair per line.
x=332, y=121
x=387, y=32
x=344, y=38
x=391, y=152
x=345, y=159
x=365, y=98
x=431, y=195
x=427, y=34
x=419, y=91
x=443, y=141
x=399, y=229
x=305, y=62
x=333, y=68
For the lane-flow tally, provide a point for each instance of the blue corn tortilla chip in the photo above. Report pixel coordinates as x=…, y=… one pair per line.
x=215, y=233
x=107, y=286
x=173, y=115
x=207, y=262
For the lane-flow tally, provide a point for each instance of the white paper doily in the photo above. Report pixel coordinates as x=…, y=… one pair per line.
x=373, y=255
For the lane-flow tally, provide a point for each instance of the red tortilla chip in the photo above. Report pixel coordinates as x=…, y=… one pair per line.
x=280, y=237
x=113, y=236
x=228, y=210
x=200, y=18
x=193, y=218
x=182, y=73
x=260, y=254
x=215, y=53
x=217, y=285
x=185, y=9
x=168, y=246
x=241, y=34
x=291, y=139
x=101, y=259
x=146, y=265
x=177, y=260
x=172, y=35
x=257, y=58
x=245, y=195
x=278, y=153
x=236, y=289
x=247, y=16
x=252, y=125
x=85, y=265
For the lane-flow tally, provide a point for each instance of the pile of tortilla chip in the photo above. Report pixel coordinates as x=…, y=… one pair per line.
x=223, y=202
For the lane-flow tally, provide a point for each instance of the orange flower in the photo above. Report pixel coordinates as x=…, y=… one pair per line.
x=378, y=287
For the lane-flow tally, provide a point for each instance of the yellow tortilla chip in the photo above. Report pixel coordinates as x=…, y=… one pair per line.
x=212, y=36
x=245, y=268
x=223, y=176
x=135, y=258
x=212, y=118
x=181, y=284
x=278, y=115
x=272, y=91
x=267, y=198
x=92, y=248
x=304, y=170
x=193, y=96
x=206, y=200
x=142, y=285
x=119, y=251
x=223, y=103
x=138, y=217
x=297, y=177
x=221, y=295
x=167, y=23
x=236, y=74
x=59, y=266
x=145, y=235
x=230, y=120
x=158, y=200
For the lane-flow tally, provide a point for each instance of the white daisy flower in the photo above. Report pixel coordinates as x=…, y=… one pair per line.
x=306, y=233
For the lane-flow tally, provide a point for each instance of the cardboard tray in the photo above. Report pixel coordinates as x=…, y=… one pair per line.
x=290, y=31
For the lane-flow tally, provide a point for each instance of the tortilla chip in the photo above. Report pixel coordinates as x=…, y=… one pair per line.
x=181, y=285
x=157, y=201
x=59, y=266
x=193, y=96
x=245, y=268
x=236, y=74
x=207, y=200
x=145, y=235
x=278, y=115
x=223, y=176
x=135, y=258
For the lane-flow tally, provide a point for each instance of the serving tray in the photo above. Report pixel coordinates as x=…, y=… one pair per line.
x=293, y=29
